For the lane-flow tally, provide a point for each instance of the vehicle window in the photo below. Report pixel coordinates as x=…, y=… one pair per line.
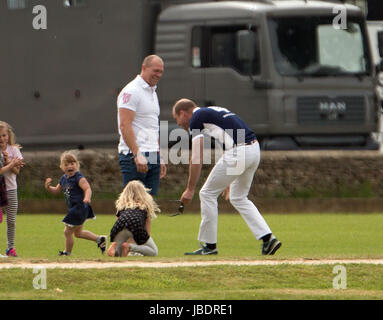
x=17, y=4
x=215, y=47
x=75, y=3
x=341, y=49
x=311, y=46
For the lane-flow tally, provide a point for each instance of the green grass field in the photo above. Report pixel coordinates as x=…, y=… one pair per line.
x=311, y=236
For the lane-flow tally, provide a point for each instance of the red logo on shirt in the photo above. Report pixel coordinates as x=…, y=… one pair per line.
x=126, y=98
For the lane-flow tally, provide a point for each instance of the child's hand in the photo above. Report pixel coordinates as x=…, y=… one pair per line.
x=16, y=163
x=5, y=154
x=86, y=200
x=19, y=163
x=48, y=182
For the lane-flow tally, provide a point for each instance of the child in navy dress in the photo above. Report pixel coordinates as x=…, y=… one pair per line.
x=78, y=195
x=130, y=234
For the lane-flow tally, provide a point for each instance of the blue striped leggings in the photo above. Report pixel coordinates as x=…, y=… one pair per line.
x=11, y=211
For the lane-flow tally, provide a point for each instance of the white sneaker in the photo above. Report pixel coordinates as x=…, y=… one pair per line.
x=1, y=256
x=133, y=253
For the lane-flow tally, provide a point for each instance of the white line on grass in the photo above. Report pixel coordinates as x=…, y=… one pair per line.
x=140, y=264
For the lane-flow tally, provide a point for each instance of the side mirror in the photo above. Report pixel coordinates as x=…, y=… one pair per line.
x=245, y=40
x=380, y=43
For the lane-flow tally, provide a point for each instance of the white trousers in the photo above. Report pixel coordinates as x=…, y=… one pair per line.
x=236, y=168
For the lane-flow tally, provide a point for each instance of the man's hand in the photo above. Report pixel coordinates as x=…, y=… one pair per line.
x=226, y=193
x=194, y=170
x=141, y=163
x=187, y=196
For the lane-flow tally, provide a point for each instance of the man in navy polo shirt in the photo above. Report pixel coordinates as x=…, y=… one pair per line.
x=232, y=174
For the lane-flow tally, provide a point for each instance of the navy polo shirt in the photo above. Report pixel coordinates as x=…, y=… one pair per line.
x=221, y=124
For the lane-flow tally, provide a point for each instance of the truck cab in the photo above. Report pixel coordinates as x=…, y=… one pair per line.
x=299, y=79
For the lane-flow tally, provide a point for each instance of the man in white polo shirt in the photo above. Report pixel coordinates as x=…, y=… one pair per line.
x=138, y=125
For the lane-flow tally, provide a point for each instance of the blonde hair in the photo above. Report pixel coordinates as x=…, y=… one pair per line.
x=136, y=195
x=68, y=157
x=11, y=134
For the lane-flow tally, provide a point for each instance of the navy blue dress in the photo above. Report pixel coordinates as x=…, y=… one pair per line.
x=78, y=211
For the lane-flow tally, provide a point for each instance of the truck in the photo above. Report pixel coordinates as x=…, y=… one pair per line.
x=375, y=28
x=300, y=73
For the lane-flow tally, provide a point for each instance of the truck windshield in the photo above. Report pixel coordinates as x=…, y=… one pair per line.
x=312, y=46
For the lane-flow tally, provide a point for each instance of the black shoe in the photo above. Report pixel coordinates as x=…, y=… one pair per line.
x=204, y=250
x=270, y=247
x=101, y=243
x=64, y=253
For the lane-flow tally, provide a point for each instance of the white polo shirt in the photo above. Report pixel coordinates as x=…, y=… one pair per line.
x=141, y=98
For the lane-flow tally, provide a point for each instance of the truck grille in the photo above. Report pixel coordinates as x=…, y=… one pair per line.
x=325, y=110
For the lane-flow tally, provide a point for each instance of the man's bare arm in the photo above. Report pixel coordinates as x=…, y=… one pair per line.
x=126, y=127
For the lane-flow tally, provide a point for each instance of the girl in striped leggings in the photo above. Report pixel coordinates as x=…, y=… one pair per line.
x=12, y=155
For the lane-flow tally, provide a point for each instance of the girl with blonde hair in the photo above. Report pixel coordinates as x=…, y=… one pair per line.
x=130, y=235
x=12, y=161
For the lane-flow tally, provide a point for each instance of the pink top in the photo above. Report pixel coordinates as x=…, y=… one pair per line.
x=10, y=177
